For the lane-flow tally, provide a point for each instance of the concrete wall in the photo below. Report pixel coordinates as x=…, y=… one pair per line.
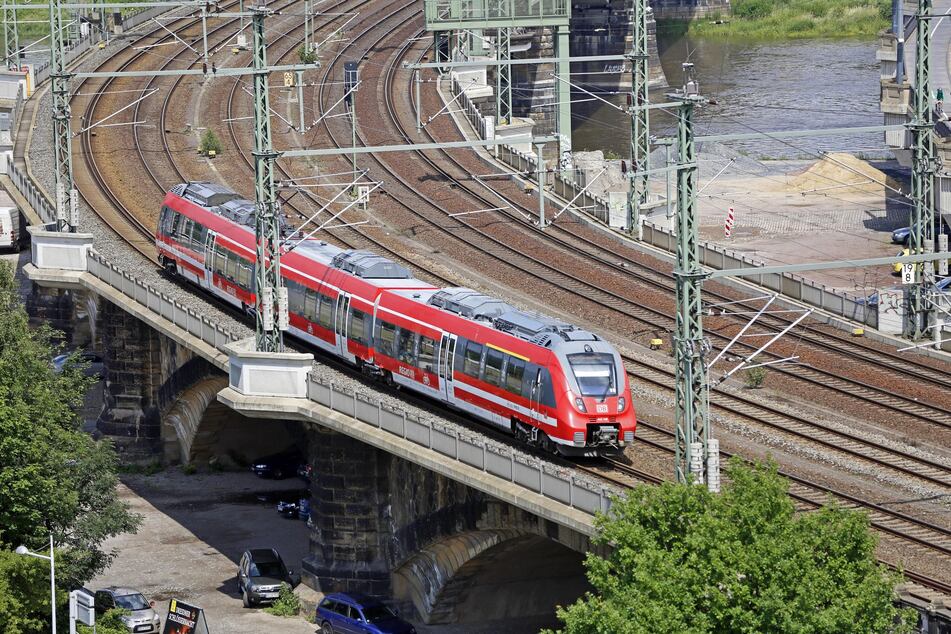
x=689, y=9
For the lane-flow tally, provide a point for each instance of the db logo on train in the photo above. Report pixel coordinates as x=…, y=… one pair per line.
x=601, y=408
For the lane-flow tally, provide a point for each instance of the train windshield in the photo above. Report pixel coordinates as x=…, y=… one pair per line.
x=595, y=373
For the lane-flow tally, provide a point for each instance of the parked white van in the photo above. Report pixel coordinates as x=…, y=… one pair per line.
x=10, y=225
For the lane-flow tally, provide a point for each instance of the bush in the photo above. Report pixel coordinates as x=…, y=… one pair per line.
x=306, y=57
x=189, y=468
x=752, y=9
x=209, y=142
x=287, y=604
x=109, y=623
x=755, y=377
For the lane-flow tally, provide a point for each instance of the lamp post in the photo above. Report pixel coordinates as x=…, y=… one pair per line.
x=23, y=550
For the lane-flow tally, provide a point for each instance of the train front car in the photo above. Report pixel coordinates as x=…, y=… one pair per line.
x=596, y=413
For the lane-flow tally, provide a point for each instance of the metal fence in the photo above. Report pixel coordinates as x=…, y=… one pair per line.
x=160, y=303
x=556, y=483
x=787, y=284
x=31, y=193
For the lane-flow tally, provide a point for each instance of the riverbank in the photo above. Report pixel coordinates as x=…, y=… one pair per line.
x=792, y=19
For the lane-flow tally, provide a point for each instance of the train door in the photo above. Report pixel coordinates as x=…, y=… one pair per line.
x=447, y=354
x=535, y=395
x=209, y=258
x=341, y=313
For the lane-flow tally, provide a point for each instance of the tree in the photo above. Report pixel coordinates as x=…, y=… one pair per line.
x=25, y=594
x=209, y=142
x=686, y=560
x=54, y=478
x=307, y=56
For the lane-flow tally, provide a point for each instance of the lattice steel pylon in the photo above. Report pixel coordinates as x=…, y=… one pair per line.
x=640, y=120
x=11, y=38
x=67, y=198
x=270, y=292
x=503, y=76
x=692, y=401
x=922, y=176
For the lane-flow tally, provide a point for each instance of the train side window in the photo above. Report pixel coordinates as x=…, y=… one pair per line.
x=219, y=260
x=407, y=346
x=295, y=297
x=460, y=352
x=176, y=222
x=473, y=359
x=310, y=305
x=547, y=392
x=198, y=233
x=357, y=332
x=493, y=366
x=326, y=312
x=186, y=230
x=244, y=273
x=514, y=374
x=386, y=342
x=427, y=354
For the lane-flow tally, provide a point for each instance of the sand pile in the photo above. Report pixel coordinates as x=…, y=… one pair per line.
x=840, y=174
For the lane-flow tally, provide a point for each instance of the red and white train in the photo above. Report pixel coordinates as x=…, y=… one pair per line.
x=550, y=383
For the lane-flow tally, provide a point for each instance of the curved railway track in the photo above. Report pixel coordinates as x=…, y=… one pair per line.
x=933, y=472
x=908, y=464
x=935, y=539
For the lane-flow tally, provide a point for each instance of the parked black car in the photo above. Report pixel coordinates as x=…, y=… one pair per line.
x=278, y=466
x=261, y=572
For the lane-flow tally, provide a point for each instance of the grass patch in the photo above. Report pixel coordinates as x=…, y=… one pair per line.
x=34, y=23
x=794, y=19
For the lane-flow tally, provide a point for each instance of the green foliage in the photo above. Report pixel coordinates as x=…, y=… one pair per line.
x=209, y=142
x=686, y=560
x=287, y=604
x=108, y=623
x=755, y=377
x=25, y=594
x=189, y=468
x=776, y=19
x=54, y=478
x=306, y=56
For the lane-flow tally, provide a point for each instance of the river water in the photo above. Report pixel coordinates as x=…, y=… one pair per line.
x=759, y=87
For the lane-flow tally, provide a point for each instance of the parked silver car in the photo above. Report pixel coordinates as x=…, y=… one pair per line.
x=141, y=618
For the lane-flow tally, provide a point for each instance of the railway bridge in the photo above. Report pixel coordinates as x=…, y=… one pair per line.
x=406, y=504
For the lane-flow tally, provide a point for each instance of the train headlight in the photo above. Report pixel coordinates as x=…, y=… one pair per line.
x=621, y=404
x=579, y=403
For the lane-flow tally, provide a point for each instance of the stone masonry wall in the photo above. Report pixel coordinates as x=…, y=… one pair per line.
x=144, y=372
x=689, y=9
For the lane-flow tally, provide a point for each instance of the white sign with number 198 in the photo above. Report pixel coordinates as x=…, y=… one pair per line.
x=908, y=273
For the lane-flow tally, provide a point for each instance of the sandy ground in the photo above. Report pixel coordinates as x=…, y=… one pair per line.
x=792, y=212
x=193, y=533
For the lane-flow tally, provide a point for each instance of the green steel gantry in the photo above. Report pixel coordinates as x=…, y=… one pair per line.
x=640, y=121
x=67, y=199
x=11, y=38
x=503, y=76
x=691, y=396
x=271, y=302
x=921, y=238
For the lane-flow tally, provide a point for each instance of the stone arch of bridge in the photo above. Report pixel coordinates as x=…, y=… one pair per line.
x=484, y=575
x=198, y=428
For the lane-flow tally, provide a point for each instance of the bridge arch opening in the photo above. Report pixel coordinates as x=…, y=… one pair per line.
x=492, y=575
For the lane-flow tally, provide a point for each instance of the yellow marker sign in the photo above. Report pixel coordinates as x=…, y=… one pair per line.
x=288, y=80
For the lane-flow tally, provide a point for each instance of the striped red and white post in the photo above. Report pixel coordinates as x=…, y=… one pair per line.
x=728, y=225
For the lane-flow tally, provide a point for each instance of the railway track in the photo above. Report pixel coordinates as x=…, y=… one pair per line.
x=922, y=534
x=931, y=413
x=371, y=243
x=879, y=455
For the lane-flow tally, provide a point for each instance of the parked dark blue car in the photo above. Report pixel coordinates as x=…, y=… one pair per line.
x=340, y=613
